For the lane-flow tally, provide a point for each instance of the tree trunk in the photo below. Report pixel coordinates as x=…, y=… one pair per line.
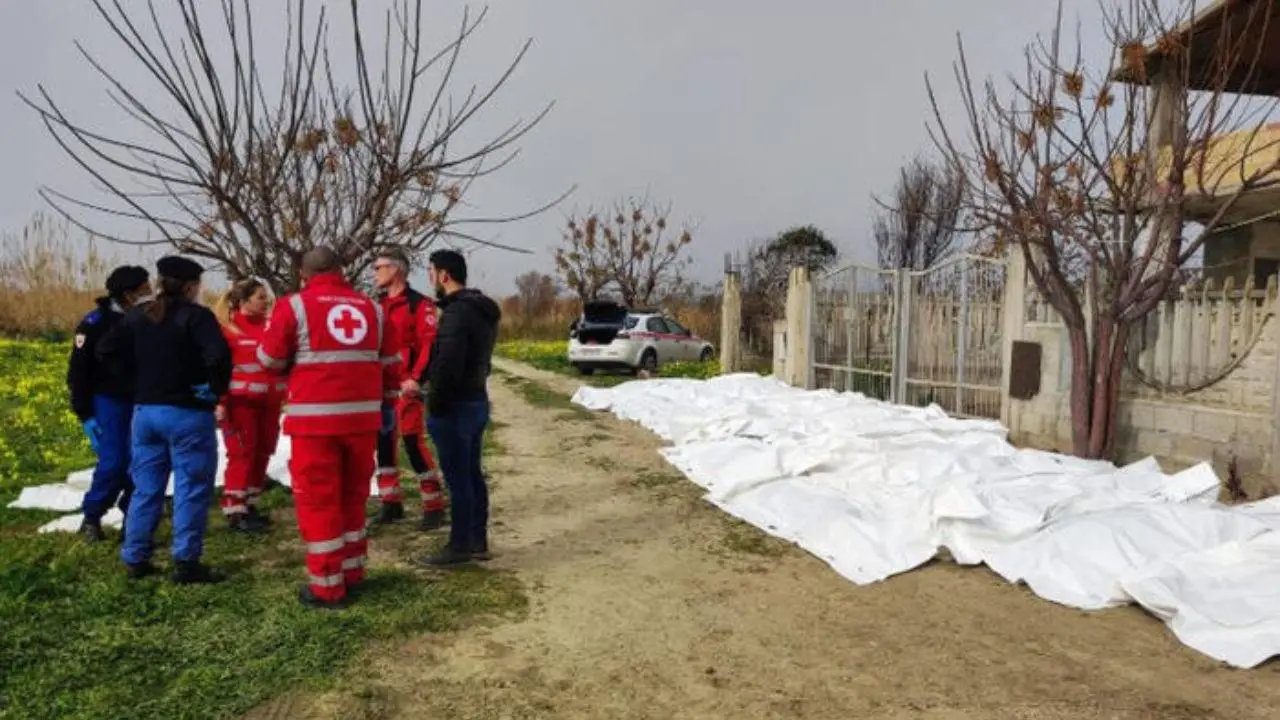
x=1097, y=369
x=1081, y=391
x=1109, y=375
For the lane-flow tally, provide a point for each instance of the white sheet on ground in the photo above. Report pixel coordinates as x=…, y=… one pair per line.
x=876, y=489
x=68, y=495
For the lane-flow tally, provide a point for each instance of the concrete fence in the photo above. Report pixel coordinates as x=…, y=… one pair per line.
x=1201, y=379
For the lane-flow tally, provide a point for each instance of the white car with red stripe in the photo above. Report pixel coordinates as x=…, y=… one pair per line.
x=609, y=336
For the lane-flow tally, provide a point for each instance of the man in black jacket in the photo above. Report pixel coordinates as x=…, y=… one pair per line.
x=102, y=398
x=456, y=378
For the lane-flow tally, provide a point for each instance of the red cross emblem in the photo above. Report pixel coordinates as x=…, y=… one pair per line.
x=346, y=324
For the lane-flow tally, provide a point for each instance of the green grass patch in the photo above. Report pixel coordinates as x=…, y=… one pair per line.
x=541, y=396
x=745, y=539
x=77, y=640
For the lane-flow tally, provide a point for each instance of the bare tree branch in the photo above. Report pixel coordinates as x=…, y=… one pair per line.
x=1109, y=182
x=363, y=162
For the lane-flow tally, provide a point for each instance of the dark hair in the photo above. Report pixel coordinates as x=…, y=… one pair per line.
x=320, y=259
x=452, y=262
x=169, y=289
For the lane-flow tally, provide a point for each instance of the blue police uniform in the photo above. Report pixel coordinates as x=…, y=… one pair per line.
x=183, y=365
x=102, y=398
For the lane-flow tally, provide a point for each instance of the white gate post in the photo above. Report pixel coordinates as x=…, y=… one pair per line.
x=799, y=310
x=902, y=336
x=850, y=327
x=1014, y=317
x=962, y=334
x=730, y=324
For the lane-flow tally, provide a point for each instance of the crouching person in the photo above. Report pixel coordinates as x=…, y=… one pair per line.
x=341, y=364
x=182, y=366
x=102, y=398
x=250, y=413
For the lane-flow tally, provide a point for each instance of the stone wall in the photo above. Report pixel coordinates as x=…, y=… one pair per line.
x=1230, y=418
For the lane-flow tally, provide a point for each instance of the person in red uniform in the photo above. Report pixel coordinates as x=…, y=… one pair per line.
x=249, y=414
x=341, y=363
x=413, y=317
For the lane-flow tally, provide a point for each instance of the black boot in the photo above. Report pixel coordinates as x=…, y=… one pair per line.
x=448, y=556
x=480, y=549
x=432, y=520
x=137, y=571
x=309, y=599
x=193, y=572
x=246, y=523
x=389, y=513
x=259, y=517
x=91, y=531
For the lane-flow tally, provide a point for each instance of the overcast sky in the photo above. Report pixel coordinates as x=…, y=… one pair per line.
x=750, y=116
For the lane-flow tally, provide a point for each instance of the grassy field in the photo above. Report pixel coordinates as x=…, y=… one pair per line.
x=552, y=355
x=79, y=641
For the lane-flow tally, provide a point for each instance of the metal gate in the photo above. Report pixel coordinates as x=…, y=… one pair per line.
x=852, y=330
x=912, y=337
x=953, y=357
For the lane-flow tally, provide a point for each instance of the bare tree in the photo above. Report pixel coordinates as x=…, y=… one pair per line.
x=1096, y=179
x=251, y=180
x=918, y=224
x=633, y=252
x=537, y=294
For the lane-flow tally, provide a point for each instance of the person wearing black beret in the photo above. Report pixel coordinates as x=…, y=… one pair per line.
x=182, y=367
x=102, y=398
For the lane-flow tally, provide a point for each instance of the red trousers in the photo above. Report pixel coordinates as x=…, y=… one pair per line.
x=330, y=488
x=250, y=431
x=411, y=421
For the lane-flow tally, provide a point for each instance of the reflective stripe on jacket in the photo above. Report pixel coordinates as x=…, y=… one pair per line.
x=249, y=379
x=340, y=360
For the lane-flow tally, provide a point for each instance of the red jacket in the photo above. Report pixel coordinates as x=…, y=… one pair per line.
x=341, y=361
x=249, y=379
x=414, y=318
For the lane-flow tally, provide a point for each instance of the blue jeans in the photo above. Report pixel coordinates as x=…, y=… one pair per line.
x=459, y=439
x=111, y=484
x=182, y=441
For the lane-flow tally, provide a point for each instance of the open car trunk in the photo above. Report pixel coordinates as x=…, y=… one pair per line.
x=601, y=322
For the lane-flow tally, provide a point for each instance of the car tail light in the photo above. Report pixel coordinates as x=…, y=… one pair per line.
x=624, y=335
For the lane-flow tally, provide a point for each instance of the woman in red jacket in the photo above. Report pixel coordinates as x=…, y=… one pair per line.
x=250, y=413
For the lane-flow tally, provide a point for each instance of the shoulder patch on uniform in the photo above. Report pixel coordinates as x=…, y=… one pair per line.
x=431, y=318
x=79, y=340
x=92, y=317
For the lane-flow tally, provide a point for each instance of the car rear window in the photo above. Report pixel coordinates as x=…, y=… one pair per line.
x=631, y=323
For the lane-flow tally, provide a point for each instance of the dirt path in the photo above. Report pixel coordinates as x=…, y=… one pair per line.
x=648, y=603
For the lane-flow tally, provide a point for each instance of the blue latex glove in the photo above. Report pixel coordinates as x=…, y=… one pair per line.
x=388, y=418
x=202, y=392
x=93, y=431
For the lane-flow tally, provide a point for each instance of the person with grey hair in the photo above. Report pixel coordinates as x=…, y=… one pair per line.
x=412, y=316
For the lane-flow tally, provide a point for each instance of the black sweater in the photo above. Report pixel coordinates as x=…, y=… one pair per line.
x=185, y=349
x=86, y=376
x=462, y=353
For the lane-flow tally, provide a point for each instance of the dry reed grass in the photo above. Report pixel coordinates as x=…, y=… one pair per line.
x=48, y=281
